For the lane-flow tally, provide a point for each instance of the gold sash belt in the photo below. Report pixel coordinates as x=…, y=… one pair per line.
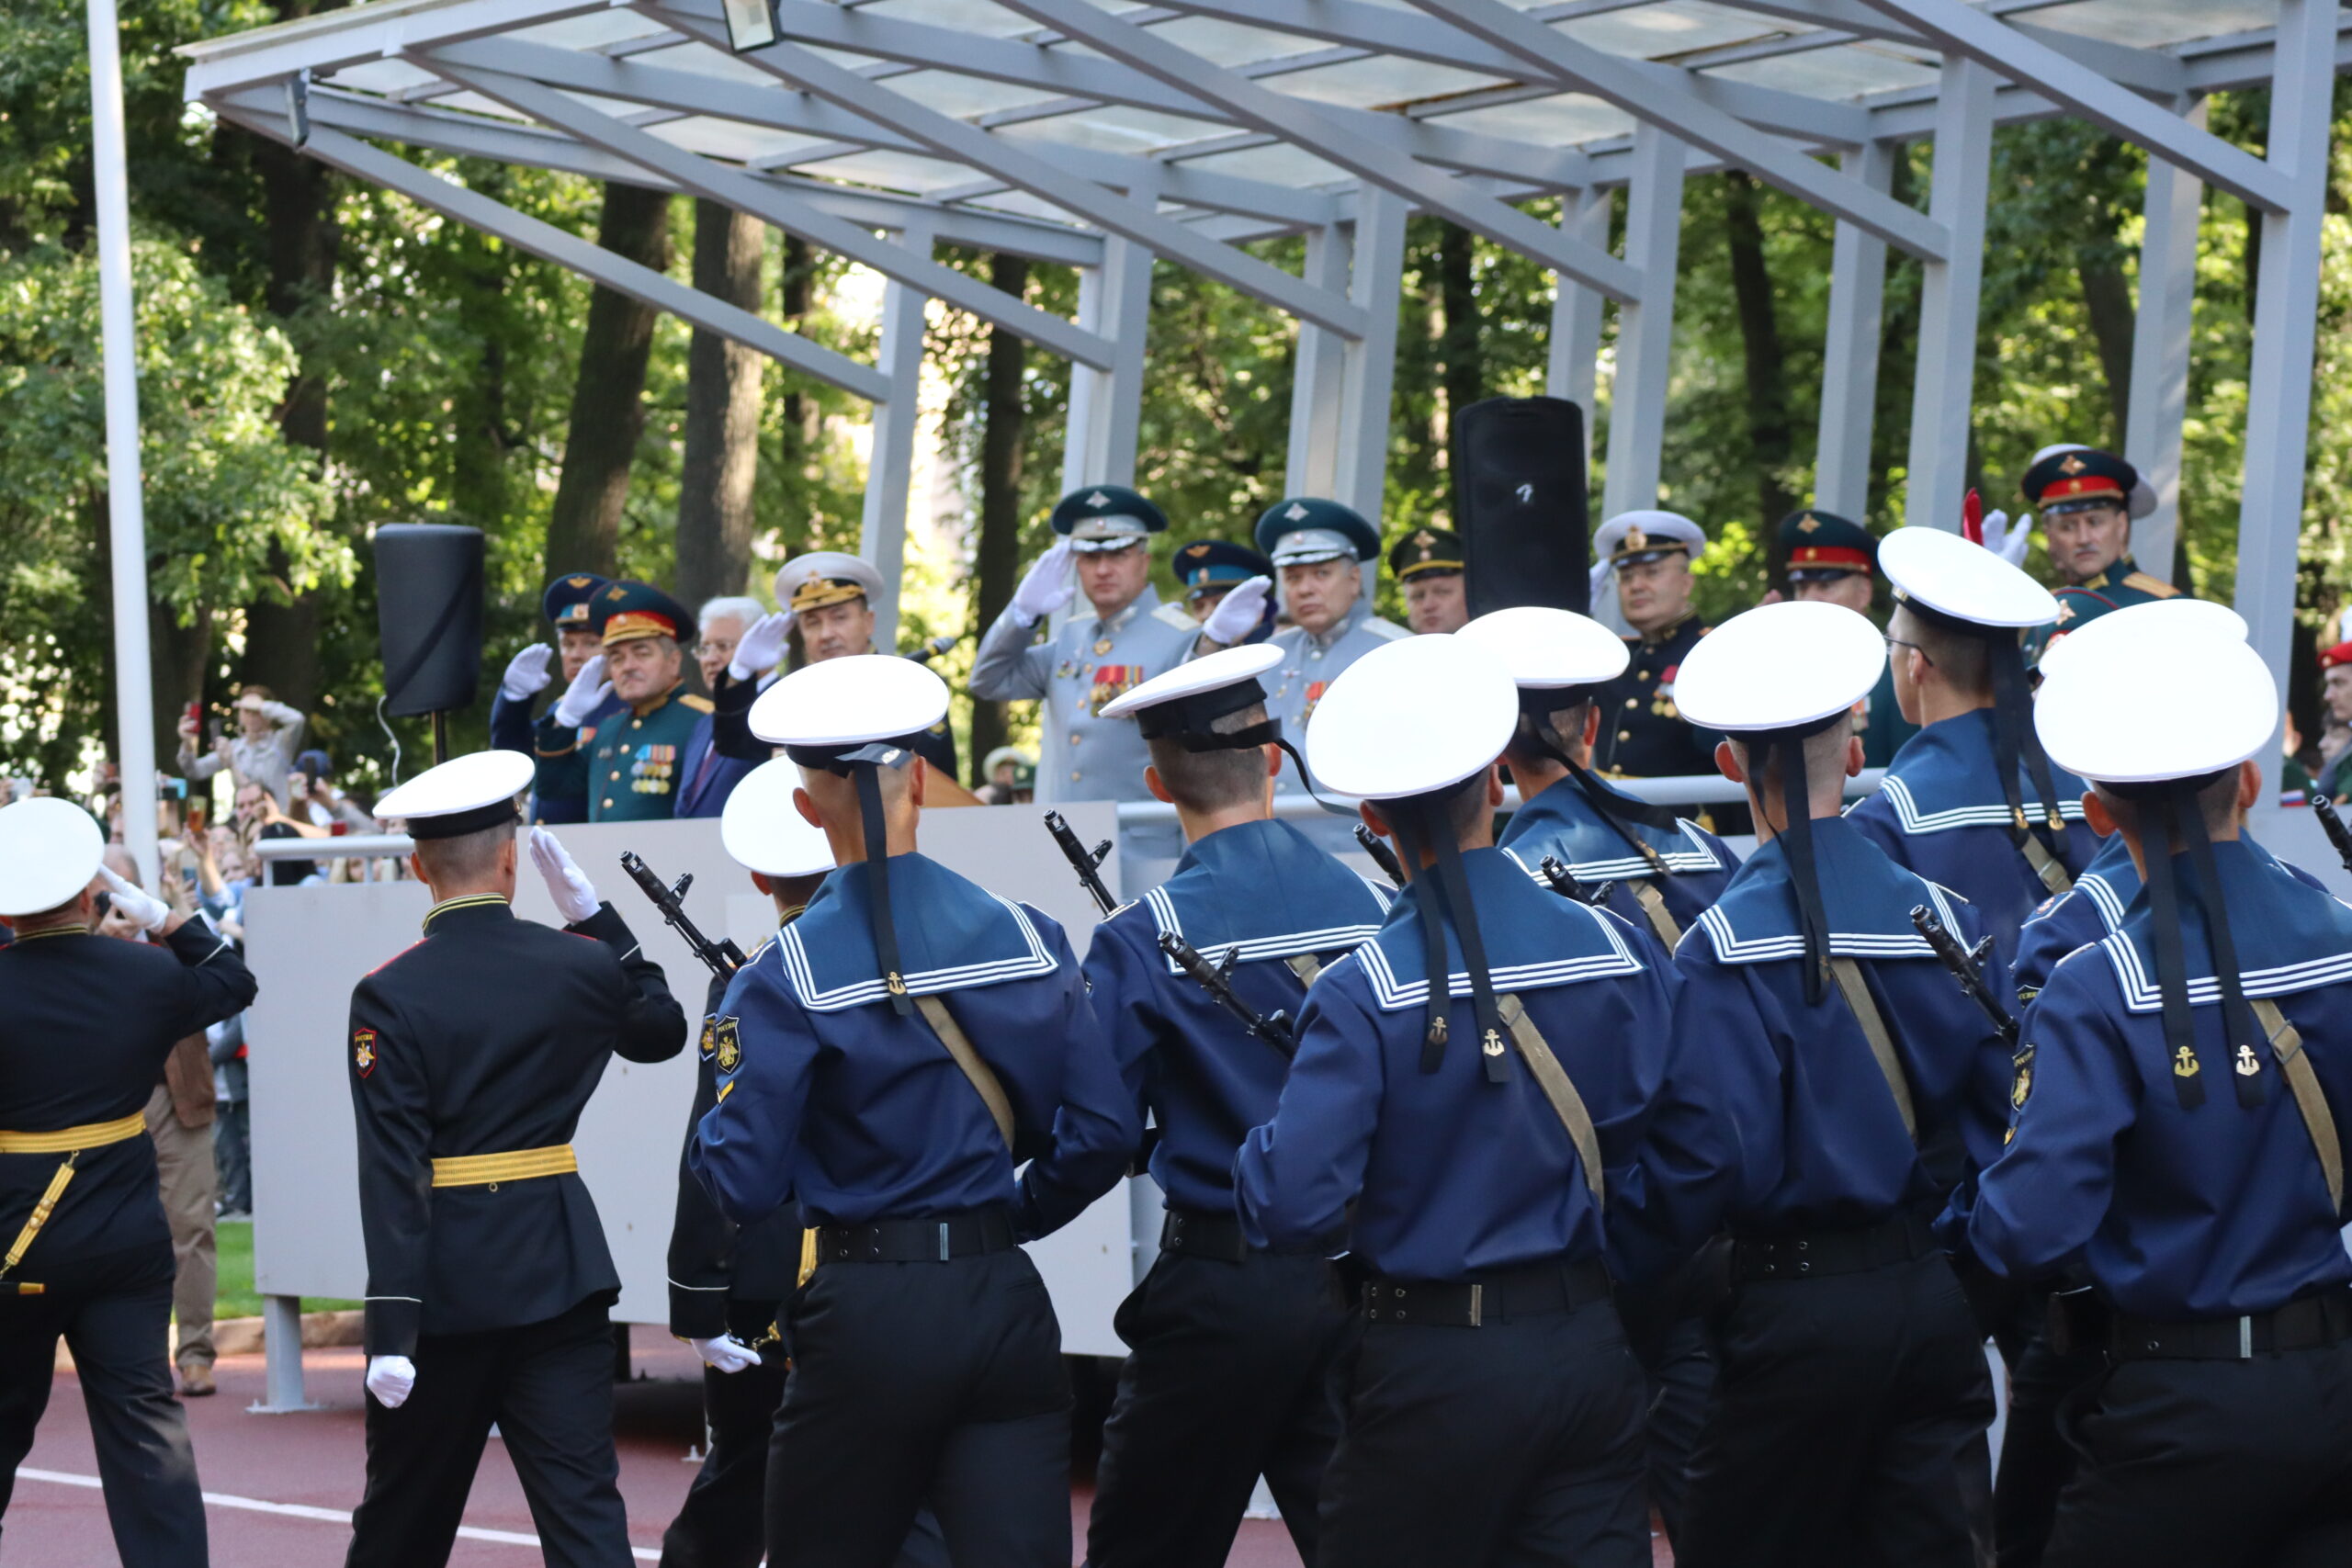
x=488, y=1170
x=89, y=1135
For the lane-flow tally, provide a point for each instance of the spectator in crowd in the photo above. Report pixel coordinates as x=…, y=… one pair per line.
x=179, y=1119
x=708, y=776
x=231, y=1129
x=313, y=797
x=269, y=734
x=225, y=868
x=1012, y=777
x=2334, y=779
x=259, y=816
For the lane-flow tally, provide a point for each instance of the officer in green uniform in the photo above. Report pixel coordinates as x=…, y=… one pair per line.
x=633, y=755
x=1428, y=564
x=2335, y=694
x=1831, y=558
x=1643, y=734
x=2087, y=498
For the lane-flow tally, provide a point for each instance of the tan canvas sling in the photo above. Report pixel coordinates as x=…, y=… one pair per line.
x=1552, y=1079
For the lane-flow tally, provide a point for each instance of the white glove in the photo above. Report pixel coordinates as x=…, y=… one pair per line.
x=574, y=895
x=527, y=673
x=390, y=1378
x=141, y=909
x=1046, y=588
x=727, y=1353
x=584, y=695
x=762, y=647
x=2009, y=544
x=1237, y=614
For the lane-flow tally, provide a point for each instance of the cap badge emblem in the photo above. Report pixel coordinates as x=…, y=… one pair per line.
x=1636, y=540
x=1810, y=524
x=1294, y=513
x=577, y=582
x=2073, y=465
x=1098, y=500
x=617, y=592
x=1425, y=539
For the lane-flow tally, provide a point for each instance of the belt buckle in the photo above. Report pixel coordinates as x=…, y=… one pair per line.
x=1477, y=1305
x=2245, y=1338
x=943, y=1241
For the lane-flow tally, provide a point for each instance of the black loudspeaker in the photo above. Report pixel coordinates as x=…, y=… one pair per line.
x=428, y=615
x=1519, y=504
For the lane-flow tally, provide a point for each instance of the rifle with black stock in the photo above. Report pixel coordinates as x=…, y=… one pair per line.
x=1564, y=882
x=1382, y=855
x=1087, y=863
x=1967, y=967
x=721, y=957
x=2332, y=824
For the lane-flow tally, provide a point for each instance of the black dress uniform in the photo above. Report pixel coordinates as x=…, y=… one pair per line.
x=472, y=1054
x=87, y=1023
x=1643, y=734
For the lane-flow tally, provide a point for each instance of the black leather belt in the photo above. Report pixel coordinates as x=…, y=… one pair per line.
x=2305, y=1324
x=1198, y=1232
x=917, y=1241
x=1810, y=1253
x=1534, y=1289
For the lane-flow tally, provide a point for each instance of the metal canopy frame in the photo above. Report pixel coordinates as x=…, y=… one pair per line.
x=1109, y=135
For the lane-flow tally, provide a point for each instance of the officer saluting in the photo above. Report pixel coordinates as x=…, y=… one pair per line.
x=1211, y=569
x=2177, y=1131
x=567, y=606
x=626, y=757
x=1230, y=1346
x=1817, y=1046
x=902, y=1043
x=1468, y=1086
x=472, y=1054
x=88, y=1256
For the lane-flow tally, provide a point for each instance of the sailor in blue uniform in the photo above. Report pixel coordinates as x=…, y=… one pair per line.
x=1971, y=802
x=1818, y=1050
x=2174, y=1130
x=899, y=1048
x=1467, y=1134
x=568, y=604
x=1230, y=1346
x=1666, y=868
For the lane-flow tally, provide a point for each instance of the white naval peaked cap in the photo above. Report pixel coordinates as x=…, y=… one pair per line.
x=1658, y=531
x=849, y=701
x=460, y=795
x=2152, y=619
x=1210, y=672
x=1780, y=667
x=1544, y=647
x=1410, y=716
x=794, y=580
x=2136, y=710
x=764, y=830
x=1966, y=582
x=48, y=850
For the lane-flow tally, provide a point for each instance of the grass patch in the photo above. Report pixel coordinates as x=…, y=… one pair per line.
x=235, y=1295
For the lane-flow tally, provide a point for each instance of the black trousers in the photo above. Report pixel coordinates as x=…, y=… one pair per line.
x=1668, y=1336
x=2036, y=1461
x=2210, y=1464
x=233, y=1155
x=915, y=1382
x=114, y=1313
x=549, y=1386
x=1507, y=1445
x=1842, y=1404
x=1227, y=1379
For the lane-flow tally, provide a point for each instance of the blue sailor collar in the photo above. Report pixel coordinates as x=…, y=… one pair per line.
x=1591, y=848
x=1944, y=778
x=1263, y=890
x=2110, y=881
x=1534, y=937
x=953, y=935
x=1866, y=898
x=2300, y=935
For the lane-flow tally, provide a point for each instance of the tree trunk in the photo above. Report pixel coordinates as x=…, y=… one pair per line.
x=176, y=657
x=998, y=564
x=800, y=410
x=1457, y=347
x=479, y=439
x=2106, y=297
x=608, y=395
x=1769, y=438
x=722, y=449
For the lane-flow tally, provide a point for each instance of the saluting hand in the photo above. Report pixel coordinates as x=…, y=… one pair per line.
x=574, y=895
x=390, y=1378
x=1046, y=588
x=527, y=673
x=2010, y=543
x=584, y=695
x=1237, y=614
x=141, y=909
x=761, y=648
x=726, y=1353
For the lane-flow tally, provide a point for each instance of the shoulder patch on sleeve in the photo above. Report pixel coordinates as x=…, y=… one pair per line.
x=700, y=705
x=1389, y=630
x=363, y=1051
x=1178, y=616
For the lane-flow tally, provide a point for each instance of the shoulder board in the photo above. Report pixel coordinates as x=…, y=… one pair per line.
x=1387, y=629
x=2146, y=584
x=395, y=958
x=1176, y=615
x=560, y=751
x=700, y=705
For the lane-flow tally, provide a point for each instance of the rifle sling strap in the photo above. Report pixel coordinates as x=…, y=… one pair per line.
x=1864, y=1006
x=959, y=1045
x=1653, y=904
x=2055, y=876
x=1305, y=965
x=1552, y=1079
x=2287, y=1043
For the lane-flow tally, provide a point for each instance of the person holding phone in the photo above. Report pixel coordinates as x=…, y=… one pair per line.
x=269, y=734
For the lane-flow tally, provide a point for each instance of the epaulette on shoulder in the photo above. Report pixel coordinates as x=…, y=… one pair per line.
x=395, y=958
x=700, y=705
x=1176, y=615
x=1389, y=630
x=2146, y=584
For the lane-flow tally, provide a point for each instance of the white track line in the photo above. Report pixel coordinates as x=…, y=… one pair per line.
x=304, y=1511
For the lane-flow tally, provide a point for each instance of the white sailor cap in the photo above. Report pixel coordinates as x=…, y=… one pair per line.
x=764, y=830
x=1786, y=666
x=1546, y=649
x=1647, y=534
x=825, y=576
x=2138, y=505
x=849, y=702
x=463, y=795
x=2182, y=616
x=1411, y=717
x=1233, y=670
x=2140, y=710
x=1960, y=580
x=48, y=850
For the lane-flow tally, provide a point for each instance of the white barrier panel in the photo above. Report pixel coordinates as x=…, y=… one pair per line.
x=310, y=945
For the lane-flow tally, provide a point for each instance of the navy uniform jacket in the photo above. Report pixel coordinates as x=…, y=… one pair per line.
x=707, y=776
x=1092, y=660
x=1941, y=813
x=1448, y=1174
x=2178, y=1215
x=712, y=1259
x=1775, y=1117
x=1260, y=887
x=560, y=789
x=861, y=1114
x=487, y=1037
x=1562, y=823
x=85, y=1028
x=1643, y=734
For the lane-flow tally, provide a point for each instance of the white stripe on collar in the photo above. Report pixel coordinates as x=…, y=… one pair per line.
x=1290, y=944
x=793, y=954
x=1916, y=821
x=2102, y=893
x=1730, y=948
x=1698, y=857
x=1391, y=994
x=2142, y=993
